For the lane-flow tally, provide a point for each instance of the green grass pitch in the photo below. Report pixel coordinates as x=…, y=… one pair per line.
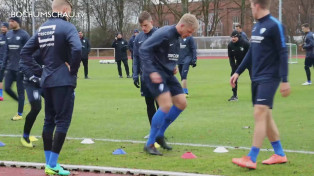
x=111, y=108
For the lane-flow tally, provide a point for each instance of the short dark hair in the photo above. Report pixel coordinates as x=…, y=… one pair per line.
x=144, y=16
x=306, y=25
x=265, y=4
x=239, y=26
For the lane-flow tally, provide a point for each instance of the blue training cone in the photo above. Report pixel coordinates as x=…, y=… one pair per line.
x=2, y=144
x=119, y=152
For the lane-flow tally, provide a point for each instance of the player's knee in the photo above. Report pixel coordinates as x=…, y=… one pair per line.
x=165, y=107
x=260, y=111
x=182, y=104
x=306, y=67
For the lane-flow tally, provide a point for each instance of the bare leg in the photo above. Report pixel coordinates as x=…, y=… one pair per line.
x=260, y=116
x=272, y=130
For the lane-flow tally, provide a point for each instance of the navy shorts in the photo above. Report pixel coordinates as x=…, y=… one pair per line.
x=33, y=92
x=169, y=83
x=144, y=89
x=184, y=70
x=263, y=93
x=309, y=61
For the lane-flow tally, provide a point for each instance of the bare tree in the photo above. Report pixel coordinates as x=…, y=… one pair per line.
x=180, y=7
x=119, y=5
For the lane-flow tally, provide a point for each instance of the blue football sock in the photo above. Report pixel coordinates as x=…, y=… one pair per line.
x=47, y=156
x=170, y=117
x=20, y=113
x=157, y=121
x=253, y=153
x=25, y=135
x=53, y=159
x=278, y=148
x=1, y=92
x=185, y=90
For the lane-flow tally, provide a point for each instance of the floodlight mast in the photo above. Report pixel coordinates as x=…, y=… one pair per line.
x=280, y=11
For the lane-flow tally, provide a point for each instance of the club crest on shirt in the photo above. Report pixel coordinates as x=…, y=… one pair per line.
x=18, y=38
x=262, y=30
x=122, y=43
x=84, y=41
x=241, y=48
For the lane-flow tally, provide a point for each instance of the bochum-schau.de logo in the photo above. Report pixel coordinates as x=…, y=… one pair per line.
x=27, y=14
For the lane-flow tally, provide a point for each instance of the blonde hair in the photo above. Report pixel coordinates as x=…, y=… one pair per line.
x=189, y=20
x=57, y=4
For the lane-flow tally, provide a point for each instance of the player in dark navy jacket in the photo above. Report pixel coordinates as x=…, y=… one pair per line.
x=187, y=57
x=269, y=59
x=3, y=41
x=60, y=48
x=131, y=43
x=146, y=24
x=16, y=39
x=121, y=48
x=85, y=52
x=34, y=92
x=308, y=46
x=242, y=33
x=237, y=49
x=159, y=55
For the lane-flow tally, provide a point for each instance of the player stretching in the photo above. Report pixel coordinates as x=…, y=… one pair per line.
x=159, y=55
x=269, y=58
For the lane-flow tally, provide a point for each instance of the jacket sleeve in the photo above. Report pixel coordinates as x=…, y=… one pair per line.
x=88, y=46
x=131, y=44
x=309, y=42
x=76, y=49
x=113, y=44
x=126, y=45
x=5, y=56
x=231, y=57
x=281, y=48
x=28, y=65
x=136, y=59
x=193, y=48
x=246, y=62
x=147, y=51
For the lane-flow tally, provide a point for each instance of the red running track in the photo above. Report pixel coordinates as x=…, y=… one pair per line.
x=8, y=171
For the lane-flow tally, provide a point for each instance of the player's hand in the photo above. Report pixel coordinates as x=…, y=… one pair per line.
x=234, y=79
x=155, y=77
x=136, y=82
x=285, y=89
x=67, y=64
x=36, y=80
x=175, y=70
x=193, y=63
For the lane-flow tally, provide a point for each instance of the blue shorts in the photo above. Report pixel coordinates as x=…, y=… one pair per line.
x=184, y=70
x=169, y=83
x=144, y=89
x=263, y=93
x=309, y=61
x=33, y=92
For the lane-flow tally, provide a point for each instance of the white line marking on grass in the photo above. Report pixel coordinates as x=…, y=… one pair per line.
x=112, y=170
x=181, y=144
